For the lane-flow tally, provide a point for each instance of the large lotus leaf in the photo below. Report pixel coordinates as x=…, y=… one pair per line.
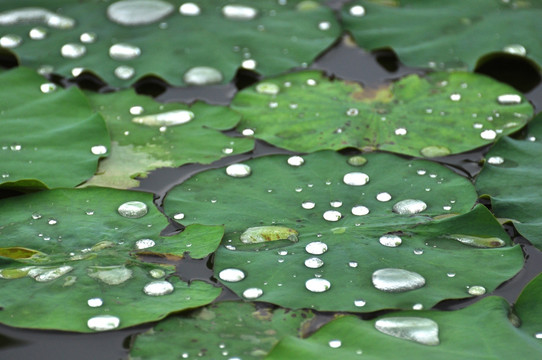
x=512, y=177
x=138, y=148
x=272, y=196
x=61, y=248
x=486, y=330
x=235, y=330
x=50, y=137
x=451, y=34
x=279, y=37
x=435, y=115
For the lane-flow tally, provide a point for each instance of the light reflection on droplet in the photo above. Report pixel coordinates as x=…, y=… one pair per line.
x=47, y=88
x=37, y=33
x=144, y=244
x=409, y=207
x=509, y=99
x=88, y=37
x=138, y=12
x=334, y=344
x=124, y=51
x=10, y=41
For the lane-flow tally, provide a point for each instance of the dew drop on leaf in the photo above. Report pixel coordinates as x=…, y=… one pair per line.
x=103, y=322
x=98, y=150
x=133, y=209
x=158, y=288
x=356, y=179
x=144, y=244
x=478, y=241
x=252, y=293
x=332, y=215
x=409, y=207
x=231, y=275
x=295, y=160
x=336, y=203
x=509, y=99
x=238, y=170
x=360, y=210
x=515, y=49
x=359, y=303
x=37, y=33
x=488, y=135
x=73, y=51
x=420, y=330
x=267, y=88
x=435, y=151
x=88, y=37
x=383, y=197
x=202, y=75
x=239, y=12
x=357, y=160
x=47, y=88
x=189, y=9
x=455, y=97
x=317, y=285
x=401, y=131
x=314, y=263
x=124, y=51
x=249, y=64
x=357, y=10
x=308, y=205
x=170, y=118
x=138, y=12
x=124, y=72
x=397, y=280
x=390, y=240
x=334, y=344
x=316, y=248
x=95, y=302
x=110, y=275
x=476, y=290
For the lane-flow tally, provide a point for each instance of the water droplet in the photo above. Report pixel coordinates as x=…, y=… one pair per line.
x=252, y=293
x=311, y=82
x=316, y=248
x=95, y=302
x=239, y=12
x=76, y=71
x=170, y=118
x=357, y=160
x=401, y=131
x=73, y=51
x=356, y=179
x=247, y=132
x=383, y=197
x=227, y=151
x=45, y=274
x=133, y=209
x=124, y=72
x=98, y=150
x=478, y=241
x=249, y=64
x=88, y=37
x=509, y=99
x=267, y=88
x=357, y=10
x=138, y=12
x=103, y=322
x=332, y=215
x=397, y=280
x=10, y=41
x=157, y=273
x=409, y=207
x=16, y=147
x=35, y=15
x=417, y=307
x=515, y=49
x=488, y=134
x=47, y=88
x=447, y=208
x=477, y=290
x=455, y=97
x=420, y=330
x=324, y=25
x=144, y=244
x=124, y=51
x=336, y=203
x=158, y=288
x=45, y=70
x=450, y=274
x=189, y=9
x=238, y=170
x=317, y=285
x=314, y=263
x=418, y=251
x=352, y=112
x=353, y=264
x=334, y=344
x=202, y=75
x=37, y=33
x=36, y=216
x=295, y=160
x=360, y=210
x=359, y=303
x=538, y=335
x=308, y=205
x=178, y=216
x=262, y=234
x=435, y=151
x=231, y=275
x=111, y=275
x=390, y=240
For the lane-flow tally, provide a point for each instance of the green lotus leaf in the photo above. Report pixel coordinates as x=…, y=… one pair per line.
x=46, y=131
x=450, y=35
x=163, y=39
x=226, y=329
x=511, y=176
x=486, y=330
x=147, y=135
x=441, y=238
x=436, y=115
x=83, y=261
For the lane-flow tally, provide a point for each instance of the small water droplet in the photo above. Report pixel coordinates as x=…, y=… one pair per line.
x=52, y=221
x=157, y=273
x=332, y=215
x=16, y=147
x=103, y=322
x=352, y=112
x=45, y=70
x=202, y=75
x=144, y=244
x=267, y=88
x=249, y=64
x=189, y=9
x=98, y=150
x=138, y=12
x=252, y=293
x=124, y=72
x=495, y=160
x=488, y=134
x=360, y=210
x=359, y=303
x=317, y=285
x=397, y=280
x=238, y=170
x=10, y=41
x=417, y=307
x=334, y=344
x=36, y=216
x=455, y=97
x=95, y=302
x=311, y=82
x=357, y=160
x=420, y=330
x=450, y=274
x=73, y=51
x=124, y=51
x=477, y=290
x=324, y=25
x=357, y=10
x=509, y=99
x=158, y=288
x=314, y=263
x=47, y=88
x=295, y=160
x=435, y=151
x=390, y=240
x=169, y=118
x=316, y=248
x=538, y=335
x=356, y=179
x=353, y=264
x=418, y=251
x=76, y=71
x=515, y=49
x=239, y=12
x=401, y=131
x=178, y=216
x=133, y=209
x=88, y=37
x=383, y=197
x=336, y=203
x=231, y=275
x=38, y=33
x=227, y=151
x=308, y=205
x=247, y=132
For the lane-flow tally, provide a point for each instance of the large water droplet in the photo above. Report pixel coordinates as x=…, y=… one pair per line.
x=88, y=37
x=317, y=285
x=73, y=51
x=239, y=12
x=357, y=10
x=45, y=274
x=231, y=275
x=36, y=15
x=202, y=75
x=267, y=88
x=262, y=234
x=314, y=263
x=47, y=88
x=189, y=9
x=336, y=203
x=477, y=290
x=356, y=179
x=359, y=303
x=334, y=344
x=295, y=160
x=360, y=210
x=111, y=275
x=124, y=72
x=515, y=49
x=144, y=244
x=383, y=197
x=133, y=209
x=420, y=330
x=495, y=160
x=170, y=118
x=401, y=131
x=509, y=99
x=488, y=135
x=390, y=240
x=308, y=205
x=103, y=322
x=95, y=302
x=332, y=215
x=238, y=170
x=316, y=248
x=158, y=288
x=98, y=150
x=252, y=293
x=478, y=241
x=10, y=41
x=37, y=33
x=409, y=207
x=124, y=51
x=138, y=12
x=397, y=280
x=435, y=151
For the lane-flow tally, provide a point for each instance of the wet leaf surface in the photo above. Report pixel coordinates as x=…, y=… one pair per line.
x=66, y=135
x=82, y=261
x=436, y=115
x=345, y=235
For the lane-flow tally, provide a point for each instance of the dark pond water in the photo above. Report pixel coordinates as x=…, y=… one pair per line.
x=341, y=61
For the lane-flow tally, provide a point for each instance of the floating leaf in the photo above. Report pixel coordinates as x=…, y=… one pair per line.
x=437, y=115
x=343, y=260
x=46, y=131
x=122, y=41
x=227, y=329
x=147, y=135
x=422, y=36
x=512, y=178
x=89, y=264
